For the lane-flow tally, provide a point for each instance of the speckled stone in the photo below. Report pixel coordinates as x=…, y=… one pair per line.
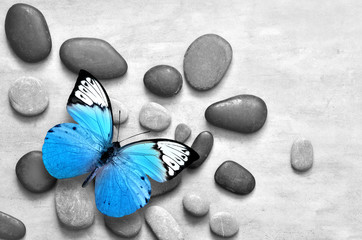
x=224, y=224
x=28, y=96
x=242, y=113
x=206, y=61
x=163, y=224
x=27, y=32
x=127, y=226
x=235, y=178
x=32, y=174
x=10, y=227
x=120, y=112
x=164, y=187
x=154, y=117
x=182, y=132
x=302, y=155
x=163, y=80
x=74, y=207
x=202, y=145
x=93, y=55
x=195, y=205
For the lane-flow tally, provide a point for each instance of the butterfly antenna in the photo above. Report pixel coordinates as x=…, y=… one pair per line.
x=136, y=135
x=119, y=123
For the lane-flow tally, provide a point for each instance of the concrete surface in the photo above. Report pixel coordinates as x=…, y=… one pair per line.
x=304, y=58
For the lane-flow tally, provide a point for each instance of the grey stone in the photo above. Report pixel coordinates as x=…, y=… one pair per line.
x=182, y=132
x=202, y=145
x=127, y=226
x=10, y=227
x=154, y=117
x=120, y=112
x=302, y=155
x=195, y=205
x=164, y=187
x=224, y=224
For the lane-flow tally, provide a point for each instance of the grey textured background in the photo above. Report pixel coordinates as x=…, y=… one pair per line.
x=304, y=58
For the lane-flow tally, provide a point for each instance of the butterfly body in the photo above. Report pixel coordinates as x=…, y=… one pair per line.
x=121, y=172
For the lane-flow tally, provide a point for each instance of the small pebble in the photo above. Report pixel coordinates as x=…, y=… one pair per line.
x=120, y=112
x=206, y=61
x=163, y=80
x=224, y=224
x=10, y=227
x=28, y=96
x=127, y=226
x=163, y=225
x=302, y=155
x=74, y=207
x=242, y=113
x=27, y=32
x=202, y=145
x=195, y=205
x=32, y=174
x=154, y=117
x=235, y=178
x=182, y=132
x=164, y=187
x=93, y=55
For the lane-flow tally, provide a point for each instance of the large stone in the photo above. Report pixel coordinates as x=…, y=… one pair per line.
x=127, y=226
x=10, y=227
x=202, y=145
x=302, y=155
x=154, y=117
x=224, y=224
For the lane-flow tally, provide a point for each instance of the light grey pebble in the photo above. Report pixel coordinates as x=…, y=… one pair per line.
x=302, y=155
x=154, y=117
x=163, y=224
x=224, y=224
x=202, y=145
x=28, y=96
x=195, y=205
x=164, y=187
x=127, y=226
x=11, y=228
x=182, y=132
x=74, y=207
x=120, y=112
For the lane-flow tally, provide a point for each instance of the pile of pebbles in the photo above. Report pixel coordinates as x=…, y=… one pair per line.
x=206, y=61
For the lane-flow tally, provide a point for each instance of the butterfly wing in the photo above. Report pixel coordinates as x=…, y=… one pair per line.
x=90, y=107
x=70, y=150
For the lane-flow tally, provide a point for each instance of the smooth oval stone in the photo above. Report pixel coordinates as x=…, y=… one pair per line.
x=127, y=226
x=195, y=205
x=235, y=178
x=73, y=205
x=224, y=224
x=202, y=145
x=302, y=155
x=154, y=117
x=10, y=227
x=164, y=187
x=94, y=55
x=242, y=113
x=163, y=80
x=163, y=224
x=32, y=174
x=28, y=96
x=27, y=32
x=182, y=132
x=206, y=61
x=120, y=112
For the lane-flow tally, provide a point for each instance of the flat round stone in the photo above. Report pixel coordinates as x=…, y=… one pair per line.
x=32, y=174
x=74, y=207
x=206, y=61
x=202, y=145
x=163, y=225
x=302, y=155
x=11, y=228
x=27, y=32
x=235, y=178
x=164, y=187
x=154, y=117
x=127, y=226
x=120, y=112
x=224, y=224
x=195, y=205
x=93, y=55
x=28, y=96
x=242, y=113
x=163, y=80
x=182, y=132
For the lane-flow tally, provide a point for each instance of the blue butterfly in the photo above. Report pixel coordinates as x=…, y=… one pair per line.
x=121, y=185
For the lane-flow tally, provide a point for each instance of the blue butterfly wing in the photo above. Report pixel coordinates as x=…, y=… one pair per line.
x=70, y=150
x=90, y=107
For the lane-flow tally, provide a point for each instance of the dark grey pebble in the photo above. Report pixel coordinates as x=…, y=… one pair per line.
x=164, y=187
x=32, y=174
x=163, y=80
x=242, y=113
x=27, y=32
x=182, y=132
x=202, y=145
x=10, y=227
x=235, y=178
x=94, y=55
x=127, y=226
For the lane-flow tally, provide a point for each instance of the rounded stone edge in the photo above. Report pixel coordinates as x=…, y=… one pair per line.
x=229, y=215
x=304, y=140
